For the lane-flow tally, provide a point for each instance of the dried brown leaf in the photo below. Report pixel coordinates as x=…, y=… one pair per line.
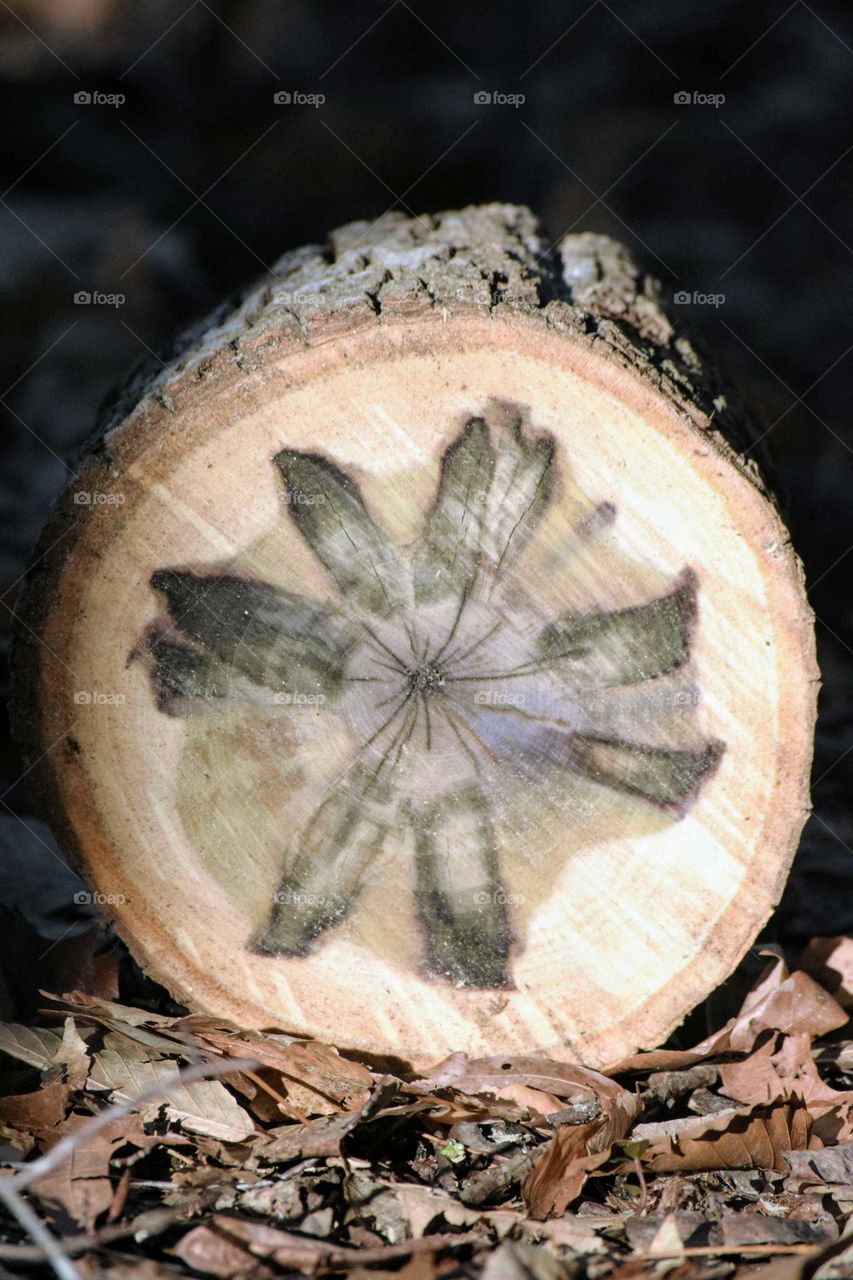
x=303, y=1254
x=39, y=1112
x=46, y=1049
x=667, y=1230
x=419, y=1206
x=310, y=1070
x=558, y=1177
x=73, y=1055
x=751, y=1138
x=17, y=1144
x=514, y=1260
x=204, y=1107
x=760, y=1228
x=569, y=1232
x=537, y=1104
x=782, y=1068
x=833, y=1261
x=449, y=1106
x=214, y=1254
x=151, y=1030
x=667, y=1241
x=575, y=1151
x=81, y=1185
x=793, y=1004
x=831, y=1165
x=324, y=1135
x=33, y=1045
x=830, y=962
x=400, y=1210
x=80, y=1003
x=544, y=1075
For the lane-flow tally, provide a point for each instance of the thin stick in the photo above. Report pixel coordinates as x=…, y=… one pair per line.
x=644, y=1190
x=51, y=1248
x=74, y=1245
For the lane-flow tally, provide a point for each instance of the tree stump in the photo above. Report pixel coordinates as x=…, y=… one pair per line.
x=417, y=660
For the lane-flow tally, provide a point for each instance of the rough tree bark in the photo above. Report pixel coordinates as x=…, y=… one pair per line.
x=418, y=659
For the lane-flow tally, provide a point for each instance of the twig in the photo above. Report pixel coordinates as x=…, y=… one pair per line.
x=711, y=1251
x=63, y=1149
x=10, y=1188
x=72, y=1245
x=260, y=1083
x=644, y=1190
x=290, y=1250
x=813, y=1256
x=51, y=1247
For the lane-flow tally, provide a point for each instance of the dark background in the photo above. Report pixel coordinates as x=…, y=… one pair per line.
x=199, y=180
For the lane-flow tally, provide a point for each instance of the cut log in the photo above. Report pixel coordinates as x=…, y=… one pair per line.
x=417, y=660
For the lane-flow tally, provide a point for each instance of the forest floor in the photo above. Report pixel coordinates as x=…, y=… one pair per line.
x=146, y=1142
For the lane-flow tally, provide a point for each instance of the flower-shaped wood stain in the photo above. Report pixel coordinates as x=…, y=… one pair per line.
x=448, y=677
